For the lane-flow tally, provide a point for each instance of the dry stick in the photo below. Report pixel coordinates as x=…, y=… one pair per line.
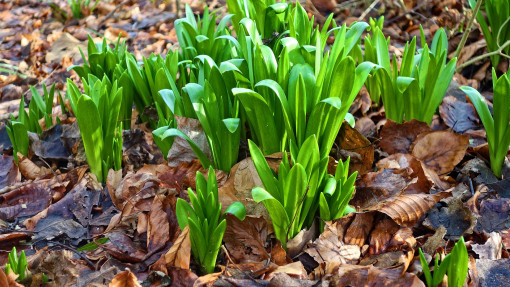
x=365, y=13
x=109, y=15
x=405, y=13
x=476, y=59
x=295, y=214
x=468, y=29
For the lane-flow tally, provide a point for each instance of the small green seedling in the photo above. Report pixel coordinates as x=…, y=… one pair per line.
x=337, y=192
x=454, y=264
x=496, y=126
x=97, y=112
x=16, y=264
x=206, y=222
x=78, y=5
x=496, y=29
x=292, y=197
x=18, y=134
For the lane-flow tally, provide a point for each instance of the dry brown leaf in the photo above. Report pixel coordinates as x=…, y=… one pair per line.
x=397, y=138
x=407, y=209
x=245, y=240
x=358, y=231
x=329, y=247
x=295, y=270
x=162, y=227
x=125, y=279
x=8, y=280
x=179, y=253
x=400, y=160
x=440, y=151
x=356, y=275
x=381, y=236
x=374, y=187
x=30, y=170
x=358, y=147
x=365, y=126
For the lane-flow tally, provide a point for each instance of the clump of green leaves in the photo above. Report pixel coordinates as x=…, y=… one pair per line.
x=201, y=36
x=206, y=222
x=454, y=264
x=337, y=192
x=496, y=29
x=496, y=126
x=40, y=107
x=102, y=61
x=18, y=134
x=417, y=89
x=300, y=92
x=269, y=16
x=211, y=101
x=292, y=197
x=16, y=264
x=78, y=5
x=97, y=112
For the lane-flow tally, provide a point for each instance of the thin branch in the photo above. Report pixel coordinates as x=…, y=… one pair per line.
x=468, y=29
x=365, y=13
x=481, y=57
x=297, y=211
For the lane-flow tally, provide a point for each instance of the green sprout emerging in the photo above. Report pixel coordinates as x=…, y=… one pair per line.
x=454, y=264
x=16, y=264
x=496, y=126
x=206, y=222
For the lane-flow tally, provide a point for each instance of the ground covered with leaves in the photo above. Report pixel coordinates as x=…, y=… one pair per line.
x=418, y=185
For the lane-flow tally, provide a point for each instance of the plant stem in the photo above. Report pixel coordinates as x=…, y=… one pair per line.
x=468, y=28
x=476, y=59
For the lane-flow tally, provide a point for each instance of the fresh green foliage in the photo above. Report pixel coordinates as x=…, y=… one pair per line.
x=454, y=264
x=417, y=89
x=203, y=37
x=337, y=192
x=269, y=16
x=496, y=29
x=105, y=61
x=301, y=92
x=206, y=222
x=92, y=245
x=97, y=112
x=301, y=28
x=291, y=198
x=18, y=134
x=212, y=102
x=16, y=264
x=496, y=126
x=78, y=5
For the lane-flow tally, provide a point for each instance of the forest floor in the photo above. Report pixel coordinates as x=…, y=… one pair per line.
x=418, y=185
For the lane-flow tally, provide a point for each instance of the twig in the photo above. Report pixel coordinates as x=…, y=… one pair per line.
x=481, y=57
x=365, y=13
x=109, y=15
x=468, y=29
x=295, y=214
x=407, y=12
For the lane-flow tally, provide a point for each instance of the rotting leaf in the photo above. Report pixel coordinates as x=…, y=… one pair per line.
x=491, y=249
x=397, y=138
x=460, y=116
x=493, y=215
x=440, y=151
x=125, y=279
x=493, y=273
x=162, y=227
x=456, y=218
x=8, y=172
